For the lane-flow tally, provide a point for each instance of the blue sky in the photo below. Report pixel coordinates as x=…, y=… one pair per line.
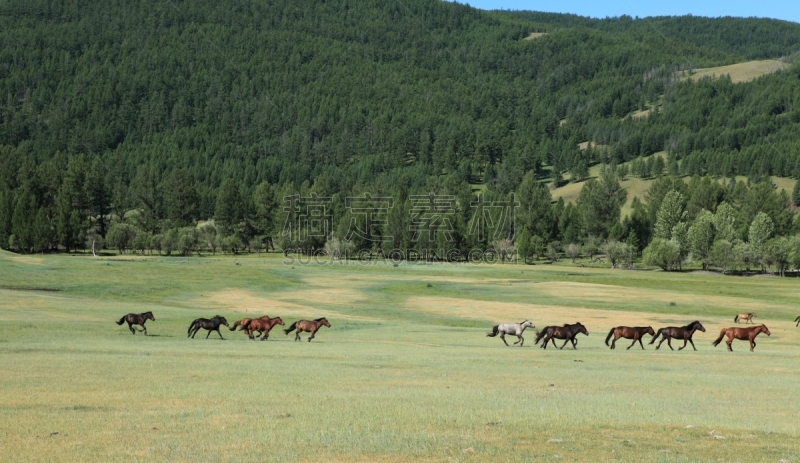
x=780, y=9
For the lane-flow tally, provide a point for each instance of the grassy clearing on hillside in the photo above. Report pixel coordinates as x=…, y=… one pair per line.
x=741, y=72
x=404, y=373
x=535, y=35
x=637, y=187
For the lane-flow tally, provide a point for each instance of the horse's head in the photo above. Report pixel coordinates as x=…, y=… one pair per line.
x=582, y=329
x=650, y=331
x=699, y=326
x=765, y=330
x=149, y=316
x=222, y=321
x=325, y=322
x=278, y=320
x=527, y=324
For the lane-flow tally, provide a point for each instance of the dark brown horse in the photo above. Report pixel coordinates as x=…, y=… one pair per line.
x=629, y=332
x=742, y=334
x=566, y=332
x=137, y=319
x=211, y=324
x=307, y=325
x=678, y=332
x=263, y=325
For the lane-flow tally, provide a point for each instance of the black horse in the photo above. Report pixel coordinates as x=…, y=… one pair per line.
x=137, y=319
x=678, y=332
x=207, y=324
x=798, y=321
x=566, y=332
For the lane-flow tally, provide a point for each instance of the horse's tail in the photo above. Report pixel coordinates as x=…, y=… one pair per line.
x=495, y=330
x=121, y=320
x=610, y=333
x=290, y=329
x=239, y=323
x=655, y=336
x=736, y=319
x=721, y=335
x=189, y=331
x=539, y=336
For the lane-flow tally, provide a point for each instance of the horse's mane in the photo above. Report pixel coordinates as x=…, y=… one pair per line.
x=320, y=319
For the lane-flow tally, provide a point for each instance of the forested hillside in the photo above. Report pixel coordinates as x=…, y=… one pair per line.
x=140, y=120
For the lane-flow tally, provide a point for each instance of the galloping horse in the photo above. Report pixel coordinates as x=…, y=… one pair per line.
x=513, y=329
x=678, y=332
x=629, y=332
x=566, y=332
x=137, y=319
x=307, y=325
x=742, y=334
x=263, y=325
x=798, y=321
x=243, y=324
x=747, y=317
x=208, y=324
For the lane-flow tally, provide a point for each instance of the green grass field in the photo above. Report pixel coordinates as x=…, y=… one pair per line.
x=405, y=373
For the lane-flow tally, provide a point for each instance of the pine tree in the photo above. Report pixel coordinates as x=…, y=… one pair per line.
x=669, y=215
x=22, y=226
x=796, y=194
x=228, y=211
x=6, y=213
x=98, y=195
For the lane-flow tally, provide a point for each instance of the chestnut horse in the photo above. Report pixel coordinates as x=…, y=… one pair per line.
x=514, y=329
x=207, y=324
x=742, y=334
x=307, y=325
x=243, y=324
x=263, y=325
x=747, y=317
x=566, y=332
x=137, y=319
x=629, y=332
x=678, y=332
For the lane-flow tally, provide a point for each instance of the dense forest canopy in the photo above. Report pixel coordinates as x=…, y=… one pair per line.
x=152, y=116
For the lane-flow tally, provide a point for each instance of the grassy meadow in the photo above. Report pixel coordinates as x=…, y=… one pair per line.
x=405, y=373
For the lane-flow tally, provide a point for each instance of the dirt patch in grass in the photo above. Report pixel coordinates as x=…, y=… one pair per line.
x=511, y=312
x=237, y=300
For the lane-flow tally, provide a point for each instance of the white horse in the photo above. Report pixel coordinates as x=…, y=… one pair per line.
x=514, y=329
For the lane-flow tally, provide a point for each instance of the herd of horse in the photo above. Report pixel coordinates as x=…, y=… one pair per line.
x=250, y=326
x=567, y=332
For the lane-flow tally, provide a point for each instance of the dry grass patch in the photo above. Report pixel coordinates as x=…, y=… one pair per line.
x=535, y=35
x=540, y=315
x=741, y=72
x=237, y=300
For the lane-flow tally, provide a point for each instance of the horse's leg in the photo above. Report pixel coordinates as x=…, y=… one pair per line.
x=546, y=340
x=503, y=337
x=565, y=343
x=130, y=327
x=297, y=335
x=684, y=343
x=312, y=336
x=635, y=338
x=144, y=328
x=640, y=343
x=663, y=337
x=729, y=342
x=693, y=346
x=209, y=333
x=220, y=334
x=669, y=342
x=521, y=340
x=614, y=342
